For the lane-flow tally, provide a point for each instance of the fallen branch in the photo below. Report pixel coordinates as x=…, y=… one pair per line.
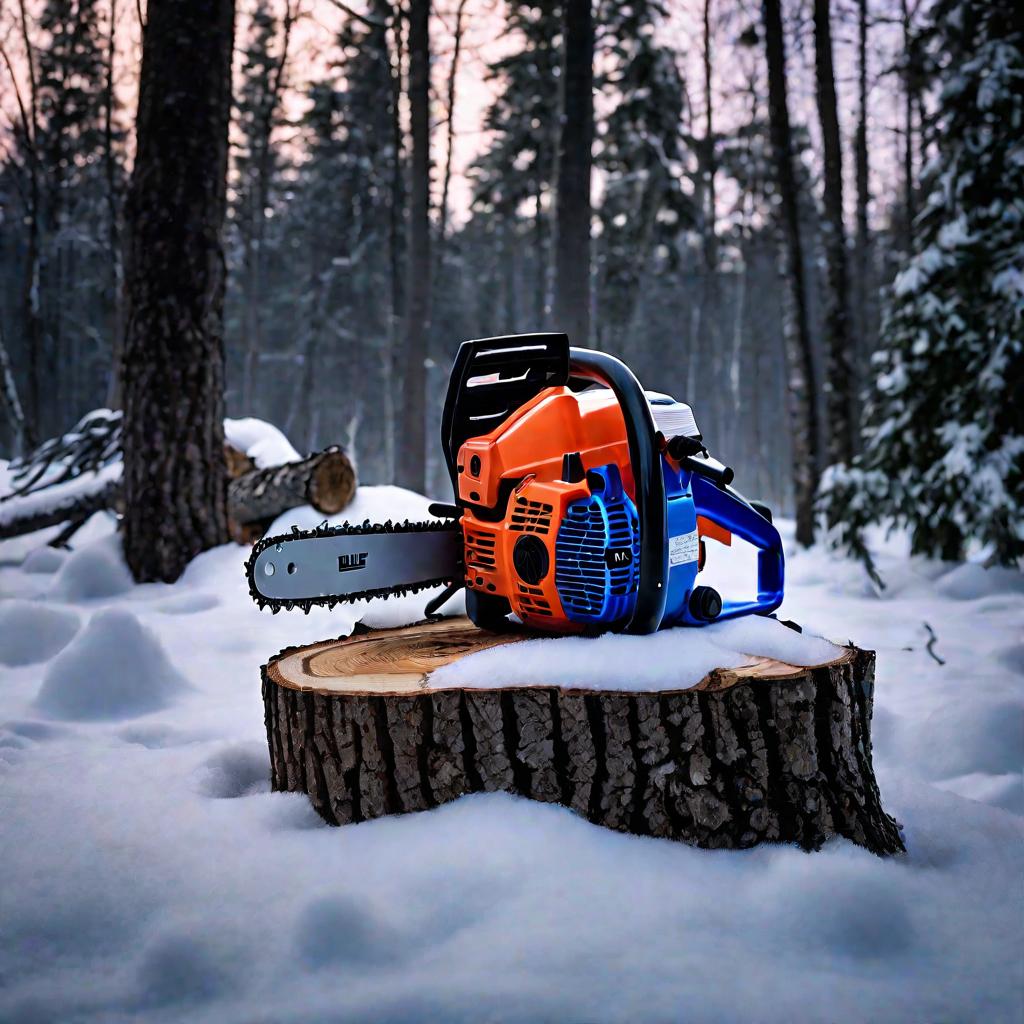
x=932, y=641
x=39, y=517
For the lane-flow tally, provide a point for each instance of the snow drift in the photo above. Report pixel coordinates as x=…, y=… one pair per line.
x=95, y=570
x=150, y=874
x=31, y=632
x=117, y=668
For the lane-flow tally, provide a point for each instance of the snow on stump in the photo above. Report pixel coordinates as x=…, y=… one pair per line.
x=763, y=752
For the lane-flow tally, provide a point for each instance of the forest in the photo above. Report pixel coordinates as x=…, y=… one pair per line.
x=760, y=208
x=584, y=704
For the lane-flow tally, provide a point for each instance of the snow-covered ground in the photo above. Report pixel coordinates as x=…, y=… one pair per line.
x=147, y=873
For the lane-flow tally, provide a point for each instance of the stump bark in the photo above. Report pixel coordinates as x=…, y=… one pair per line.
x=768, y=752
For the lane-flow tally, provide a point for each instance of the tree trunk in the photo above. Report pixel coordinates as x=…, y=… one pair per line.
x=800, y=367
x=113, y=218
x=453, y=71
x=172, y=365
x=763, y=753
x=411, y=444
x=11, y=401
x=838, y=341
x=391, y=370
x=864, y=293
x=572, y=196
x=255, y=213
x=909, y=204
x=33, y=258
x=710, y=157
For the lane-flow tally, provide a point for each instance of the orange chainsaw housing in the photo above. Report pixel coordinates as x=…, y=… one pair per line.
x=528, y=447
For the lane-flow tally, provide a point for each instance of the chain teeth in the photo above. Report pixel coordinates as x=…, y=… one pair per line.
x=325, y=530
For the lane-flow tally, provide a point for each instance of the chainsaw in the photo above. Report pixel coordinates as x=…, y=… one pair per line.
x=582, y=505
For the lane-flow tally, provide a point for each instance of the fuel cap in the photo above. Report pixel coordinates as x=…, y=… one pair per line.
x=705, y=603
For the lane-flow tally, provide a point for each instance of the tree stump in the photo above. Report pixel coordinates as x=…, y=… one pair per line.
x=764, y=753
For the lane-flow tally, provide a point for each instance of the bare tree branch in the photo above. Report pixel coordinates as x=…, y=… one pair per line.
x=22, y=113
x=453, y=73
x=368, y=20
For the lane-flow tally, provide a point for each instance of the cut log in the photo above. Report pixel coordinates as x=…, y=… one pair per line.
x=237, y=462
x=768, y=752
x=326, y=480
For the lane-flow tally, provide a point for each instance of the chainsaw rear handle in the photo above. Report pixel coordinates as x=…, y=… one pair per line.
x=731, y=511
x=645, y=460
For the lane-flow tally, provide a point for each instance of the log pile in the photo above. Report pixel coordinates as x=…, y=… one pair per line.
x=765, y=753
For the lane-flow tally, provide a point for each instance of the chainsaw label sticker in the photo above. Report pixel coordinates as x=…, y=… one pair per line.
x=684, y=548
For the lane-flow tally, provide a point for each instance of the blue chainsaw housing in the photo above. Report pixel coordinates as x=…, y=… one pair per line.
x=597, y=551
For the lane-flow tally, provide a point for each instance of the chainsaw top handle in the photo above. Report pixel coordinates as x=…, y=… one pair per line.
x=645, y=459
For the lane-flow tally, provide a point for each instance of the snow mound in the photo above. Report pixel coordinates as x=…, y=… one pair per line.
x=182, y=966
x=115, y=669
x=237, y=771
x=261, y=441
x=840, y=907
x=1013, y=658
x=188, y=604
x=35, y=732
x=1005, y=791
x=30, y=633
x=963, y=736
x=95, y=571
x=43, y=560
x=335, y=931
x=159, y=737
x=669, y=660
x=970, y=581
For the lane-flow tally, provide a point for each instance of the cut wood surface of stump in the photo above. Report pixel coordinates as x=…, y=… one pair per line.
x=767, y=752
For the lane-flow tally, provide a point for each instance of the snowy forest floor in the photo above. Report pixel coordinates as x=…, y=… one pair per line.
x=147, y=873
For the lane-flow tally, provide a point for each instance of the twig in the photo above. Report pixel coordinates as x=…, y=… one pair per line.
x=932, y=640
x=65, y=535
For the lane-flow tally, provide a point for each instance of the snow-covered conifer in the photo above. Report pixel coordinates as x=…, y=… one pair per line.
x=944, y=436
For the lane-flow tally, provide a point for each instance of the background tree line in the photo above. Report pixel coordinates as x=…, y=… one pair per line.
x=720, y=193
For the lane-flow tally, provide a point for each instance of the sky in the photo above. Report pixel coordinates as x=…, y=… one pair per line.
x=485, y=41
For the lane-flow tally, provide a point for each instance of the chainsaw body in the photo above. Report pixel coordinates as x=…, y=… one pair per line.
x=587, y=509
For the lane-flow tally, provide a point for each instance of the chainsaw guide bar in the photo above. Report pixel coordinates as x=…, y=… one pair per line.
x=438, y=550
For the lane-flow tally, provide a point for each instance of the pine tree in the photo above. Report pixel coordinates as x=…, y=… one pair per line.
x=573, y=208
x=517, y=171
x=341, y=207
x=72, y=149
x=802, y=408
x=944, y=435
x=257, y=114
x=640, y=154
x=410, y=467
